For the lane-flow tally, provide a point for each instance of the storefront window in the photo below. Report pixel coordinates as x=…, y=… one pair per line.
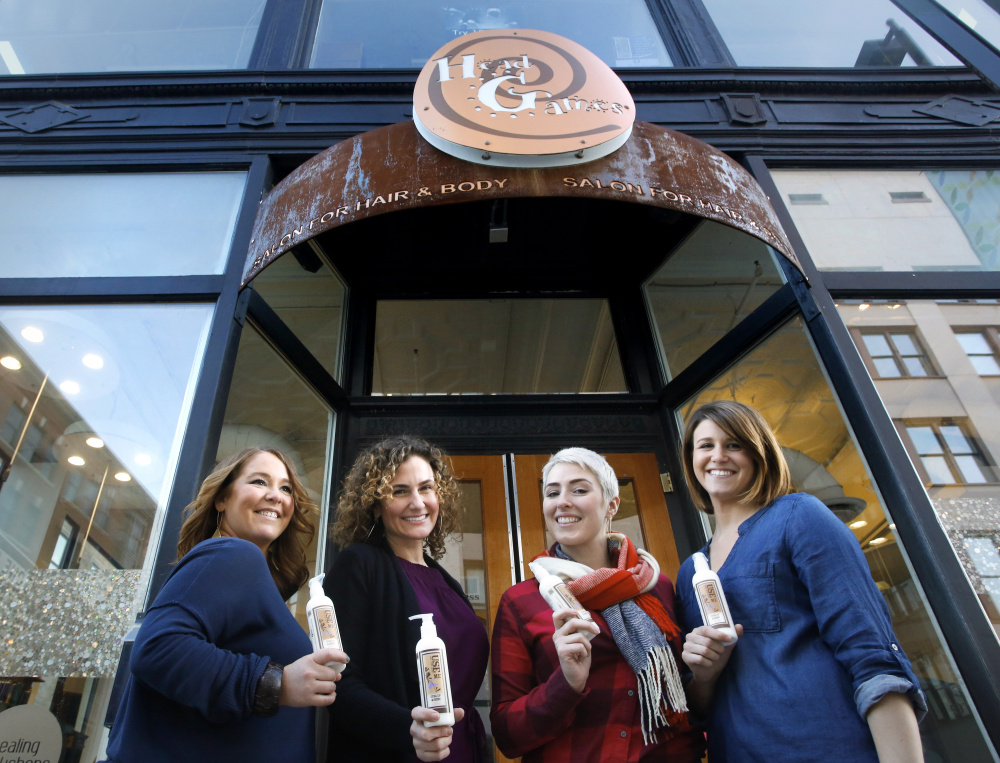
x=825, y=462
x=157, y=224
x=379, y=34
x=495, y=346
x=63, y=37
x=855, y=33
x=92, y=405
x=895, y=219
x=269, y=406
x=950, y=425
x=712, y=281
x=309, y=297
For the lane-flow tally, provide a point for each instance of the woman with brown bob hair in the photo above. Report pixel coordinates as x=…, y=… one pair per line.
x=816, y=667
x=399, y=504
x=221, y=669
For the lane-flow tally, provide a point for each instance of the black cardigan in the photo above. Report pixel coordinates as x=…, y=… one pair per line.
x=370, y=719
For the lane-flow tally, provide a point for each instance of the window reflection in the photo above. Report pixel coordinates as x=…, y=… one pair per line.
x=861, y=226
x=62, y=36
x=309, y=297
x=855, y=33
x=495, y=346
x=783, y=380
x=978, y=15
x=377, y=34
x=85, y=470
x=156, y=224
x=711, y=282
x=950, y=425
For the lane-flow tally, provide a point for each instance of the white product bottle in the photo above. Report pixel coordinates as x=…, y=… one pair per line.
x=323, y=629
x=711, y=599
x=432, y=672
x=558, y=596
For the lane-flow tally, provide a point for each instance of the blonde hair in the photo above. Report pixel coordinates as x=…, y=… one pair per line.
x=745, y=425
x=286, y=556
x=370, y=482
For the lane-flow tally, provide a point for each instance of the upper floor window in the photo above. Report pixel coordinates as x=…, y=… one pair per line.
x=380, y=34
x=64, y=37
x=981, y=346
x=948, y=454
x=896, y=353
x=864, y=226
x=853, y=33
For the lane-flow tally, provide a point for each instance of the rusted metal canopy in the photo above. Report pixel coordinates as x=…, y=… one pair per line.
x=393, y=168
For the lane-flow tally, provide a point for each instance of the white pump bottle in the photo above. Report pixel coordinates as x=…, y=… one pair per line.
x=323, y=629
x=432, y=672
x=558, y=596
x=711, y=599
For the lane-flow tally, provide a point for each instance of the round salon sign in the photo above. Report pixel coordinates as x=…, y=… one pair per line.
x=521, y=98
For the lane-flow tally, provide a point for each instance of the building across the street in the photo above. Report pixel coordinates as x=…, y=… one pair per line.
x=227, y=224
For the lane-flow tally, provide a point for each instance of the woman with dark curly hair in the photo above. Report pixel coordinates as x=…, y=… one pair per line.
x=221, y=669
x=399, y=504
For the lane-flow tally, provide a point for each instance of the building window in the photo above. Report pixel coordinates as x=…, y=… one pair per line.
x=895, y=354
x=981, y=346
x=948, y=453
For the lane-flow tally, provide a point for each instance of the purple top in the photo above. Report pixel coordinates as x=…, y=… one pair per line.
x=468, y=652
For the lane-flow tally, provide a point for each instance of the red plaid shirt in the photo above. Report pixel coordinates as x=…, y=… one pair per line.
x=537, y=715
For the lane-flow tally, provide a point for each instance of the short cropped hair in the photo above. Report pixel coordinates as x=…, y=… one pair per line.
x=745, y=425
x=593, y=462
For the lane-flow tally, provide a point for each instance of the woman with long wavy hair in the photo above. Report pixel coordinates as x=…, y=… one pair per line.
x=221, y=670
x=399, y=504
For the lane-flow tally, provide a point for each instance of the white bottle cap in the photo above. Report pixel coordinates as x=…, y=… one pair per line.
x=427, y=627
x=316, y=586
x=700, y=562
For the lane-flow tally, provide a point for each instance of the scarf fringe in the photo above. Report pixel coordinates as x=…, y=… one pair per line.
x=659, y=675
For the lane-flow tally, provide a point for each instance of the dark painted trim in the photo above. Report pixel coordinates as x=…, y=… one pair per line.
x=920, y=285
x=120, y=289
x=197, y=455
x=634, y=335
x=289, y=346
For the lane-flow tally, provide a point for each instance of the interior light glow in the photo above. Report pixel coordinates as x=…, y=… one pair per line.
x=95, y=442
x=863, y=306
x=143, y=459
x=123, y=477
x=7, y=361
x=32, y=334
x=90, y=360
x=876, y=541
x=859, y=523
x=70, y=387
x=76, y=461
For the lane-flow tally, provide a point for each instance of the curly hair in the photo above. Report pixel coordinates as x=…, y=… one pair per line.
x=286, y=556
x=370, y=482
x=745, y=425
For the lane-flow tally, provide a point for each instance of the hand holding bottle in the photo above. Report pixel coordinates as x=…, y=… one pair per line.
x=572, y=642
x=431, y=742
x=309, y=682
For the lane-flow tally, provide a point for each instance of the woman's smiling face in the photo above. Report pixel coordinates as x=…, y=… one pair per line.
x=258, y=504
x=410, y=514
x=574, y=507
x=722, y=465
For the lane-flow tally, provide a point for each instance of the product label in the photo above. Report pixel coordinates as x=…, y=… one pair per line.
x=568, y=598
x=434, y=688
x=712, y=611
x=326, y=627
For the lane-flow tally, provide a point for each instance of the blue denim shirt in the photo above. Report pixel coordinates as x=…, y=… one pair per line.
x=817, y=649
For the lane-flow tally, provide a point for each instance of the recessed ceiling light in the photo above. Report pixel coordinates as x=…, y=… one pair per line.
x=876, y=541
x=90, y=360
x=95, y=442
x=892, y=526
x=142, y=459
x=123, y=477
x=863, y=306
x=10, y=362
x=856, y=525
x=32, y=334
x=70, y=387
x=76, y=461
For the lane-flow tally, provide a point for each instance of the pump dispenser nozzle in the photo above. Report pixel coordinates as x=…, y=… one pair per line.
x=700, y=562
x=427, y=627
x=316, y=586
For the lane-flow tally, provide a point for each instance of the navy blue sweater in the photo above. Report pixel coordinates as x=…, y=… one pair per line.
x=202, y=647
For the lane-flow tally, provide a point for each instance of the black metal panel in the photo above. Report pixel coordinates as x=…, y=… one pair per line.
x=120, y=289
